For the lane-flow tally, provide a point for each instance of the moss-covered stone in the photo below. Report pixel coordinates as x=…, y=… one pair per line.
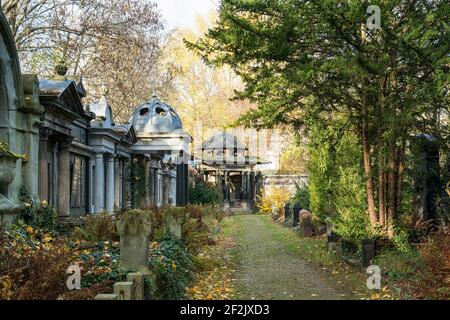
x=174, y=218
x=135, y=229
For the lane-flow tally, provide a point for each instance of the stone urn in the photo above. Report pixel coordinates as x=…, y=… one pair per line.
x=7, y=175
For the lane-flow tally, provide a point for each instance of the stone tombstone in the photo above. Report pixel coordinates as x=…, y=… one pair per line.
x=287, y=212
x=368, y=252
x=135, y=229
x=296, y=219
x=175, y=217
x=425, y=149
x=306, y=223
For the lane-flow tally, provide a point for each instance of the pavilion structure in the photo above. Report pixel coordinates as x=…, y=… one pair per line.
x=226, y=162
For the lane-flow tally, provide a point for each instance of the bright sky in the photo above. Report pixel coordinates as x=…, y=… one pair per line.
x=182, y=13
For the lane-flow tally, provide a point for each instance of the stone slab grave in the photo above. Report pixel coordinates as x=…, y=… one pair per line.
x=306, y=223
x=296, y=215
x=135, y=228
x=174, y=218
x=287, y=212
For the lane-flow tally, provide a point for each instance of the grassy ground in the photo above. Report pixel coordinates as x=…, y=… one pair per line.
x=258, y=259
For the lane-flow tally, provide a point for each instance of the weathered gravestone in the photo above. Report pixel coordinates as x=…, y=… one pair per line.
x=296, y=216
x=426, y=149
x=306, y=218
x=175, y=217
x=368, y=252
x=287, y=212
x=135, y=229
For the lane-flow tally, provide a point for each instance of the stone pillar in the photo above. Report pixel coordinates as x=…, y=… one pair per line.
x=99, y=186
x=109, y=206
x=152, y=186
x=117, y=177
x=124, y=185
x=165, y=188
x=64, y=179
x=147, y=182
x=43, y=166
x=252, y=186
x=173, y=190
x=91, y=184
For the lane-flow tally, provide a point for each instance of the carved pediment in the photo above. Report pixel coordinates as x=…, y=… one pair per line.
x=63, y=96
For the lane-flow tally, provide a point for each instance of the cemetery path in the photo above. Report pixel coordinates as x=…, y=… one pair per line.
x=270, y=264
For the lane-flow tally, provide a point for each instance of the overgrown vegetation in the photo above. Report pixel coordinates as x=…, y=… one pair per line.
x=422, y=272
x=273, y=201
x=203, y=194
x=34, y=257
x=37, y=214
x=369, y=91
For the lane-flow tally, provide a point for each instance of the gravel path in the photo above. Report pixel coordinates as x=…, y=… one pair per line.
x=268, y=268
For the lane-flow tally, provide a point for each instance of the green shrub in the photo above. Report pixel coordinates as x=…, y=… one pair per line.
x=398, y=265
x=302, y=197
x=37, y=214
x=201, y=193
x=97, y=228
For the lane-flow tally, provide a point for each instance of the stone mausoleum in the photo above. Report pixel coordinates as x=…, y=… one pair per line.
x=74, y=155
x=226, y=162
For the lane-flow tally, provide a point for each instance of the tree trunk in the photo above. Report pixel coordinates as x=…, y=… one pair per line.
x=382, y=191
x=368, y=173
x=400, y=172
x=392, y=187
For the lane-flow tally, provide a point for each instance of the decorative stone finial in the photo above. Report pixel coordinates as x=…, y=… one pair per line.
x=61, y=70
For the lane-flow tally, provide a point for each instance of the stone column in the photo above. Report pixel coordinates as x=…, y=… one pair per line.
x=117, y=177
x=43, y=166
x=165, y=188
x=109, y=206
x=91, y=185
x=252, y=186
x=173, y=192
x=64, y=179
x=147, y=182
x=124, y=185
x=152, y=186
x=99, y=186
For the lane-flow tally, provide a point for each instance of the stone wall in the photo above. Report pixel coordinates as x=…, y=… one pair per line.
x=288, y=182
x=20, y=113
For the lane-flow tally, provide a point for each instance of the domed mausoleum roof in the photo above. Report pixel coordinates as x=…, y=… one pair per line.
x=155, y=116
